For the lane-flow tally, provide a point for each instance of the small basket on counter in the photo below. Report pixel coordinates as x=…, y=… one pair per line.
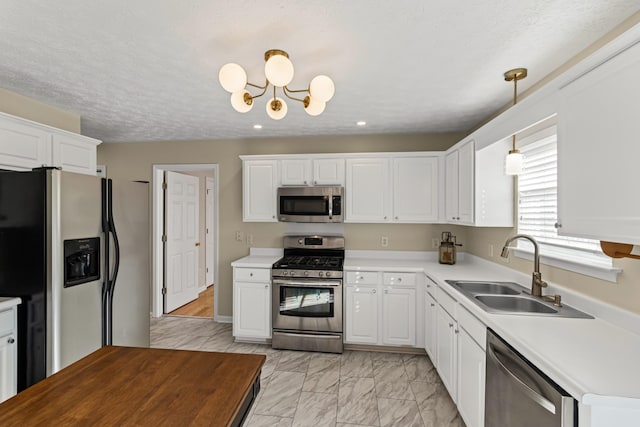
x=448, y=248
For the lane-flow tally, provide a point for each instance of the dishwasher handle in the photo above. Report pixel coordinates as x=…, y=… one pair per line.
x=502, y=362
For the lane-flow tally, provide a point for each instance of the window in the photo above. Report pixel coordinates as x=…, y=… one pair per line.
x=538, y=212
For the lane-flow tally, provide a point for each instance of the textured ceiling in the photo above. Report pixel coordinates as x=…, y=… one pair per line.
x=139, y=70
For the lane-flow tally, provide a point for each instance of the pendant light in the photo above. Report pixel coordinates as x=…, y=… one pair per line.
x=515, y=160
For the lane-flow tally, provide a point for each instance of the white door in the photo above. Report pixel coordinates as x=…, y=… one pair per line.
x=451, y=186
x=361, y=315
x=8, y=365
x=446, y=350
x=466, y=155
x=295, y=172
x=259, y=190
x=430, y=319
x=399, y=316
x=210, y=255
x=367, y=190
x=415, y=189
x=471, y=380
x=328, y=172
x=252, y=310
x=181, y=231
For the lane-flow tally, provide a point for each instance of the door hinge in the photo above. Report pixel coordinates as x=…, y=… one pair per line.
x=207, y=270
x=164, y=185
x=207, y=231
x=164, y=291
x=164, y=238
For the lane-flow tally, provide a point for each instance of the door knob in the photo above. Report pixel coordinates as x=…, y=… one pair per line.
x=10, y=340
x=197, y=243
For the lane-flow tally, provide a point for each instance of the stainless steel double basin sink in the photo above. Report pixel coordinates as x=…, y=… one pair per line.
x=511, y=298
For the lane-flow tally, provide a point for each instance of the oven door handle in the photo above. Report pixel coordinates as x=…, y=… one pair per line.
x=305, y=284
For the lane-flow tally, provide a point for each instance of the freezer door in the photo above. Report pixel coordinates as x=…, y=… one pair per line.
x=132, y=289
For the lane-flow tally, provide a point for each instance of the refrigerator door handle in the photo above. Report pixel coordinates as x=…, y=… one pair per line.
x=107, y=265
x=116, y=264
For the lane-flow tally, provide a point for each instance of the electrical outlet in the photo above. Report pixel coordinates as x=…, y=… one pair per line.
x=435, y=243
x=239, y=236
x=384, y=241
x=250, y=239
x=491, y=251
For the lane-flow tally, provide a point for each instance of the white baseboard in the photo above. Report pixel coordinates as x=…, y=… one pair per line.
x=223, y=319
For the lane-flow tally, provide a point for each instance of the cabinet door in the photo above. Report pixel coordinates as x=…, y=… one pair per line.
x=471, y=380
x=430, y=320
x=8, y=367
x=598, y=152
x=451, y=186
x=328, y=172
x=252, y=310
x=361, y=314
x=74, y=154
x=399, y=316
x=415, y=189
x=367, y=190
x=466, y=155
x=446, y=350
x=295, y=172
x=22, y=146
x=259, y=190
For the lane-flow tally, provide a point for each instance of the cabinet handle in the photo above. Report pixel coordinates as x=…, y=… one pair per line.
x=305, y=183
x=385, y=217
x=399, y=279
x=396, y=217
x=453, y=217
x=458, y=218
x=451, y=325
x=428, y=286
x=266, y=286
x=386, y=291
x=10, y=340
x=557, y=225
x=315, y=182
x=274, y=217
x=374, y=291
x=432, y=305
x=250, y=274
x=360, y=277
x=456, y=331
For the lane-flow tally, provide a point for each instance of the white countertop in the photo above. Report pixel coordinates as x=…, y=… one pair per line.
x=6, y=303
x=259, y=258
x=592, y=359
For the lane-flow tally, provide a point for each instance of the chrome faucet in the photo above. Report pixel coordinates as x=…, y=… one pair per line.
x=536, y=281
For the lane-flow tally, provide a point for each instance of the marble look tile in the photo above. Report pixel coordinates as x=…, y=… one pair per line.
x=403, y=413
x=435, y=404
x=357, y=402
x=356, y=364
x=268, y=421
x=281, y=395
x=216, y=344
x=351, y=425
x=419, y=368
x=383, y=357
x=323, y=374
x=316, y=410
x=237, y=347
x=294, y=361
x=192, y=342
x=268, y=369
x=392, y=381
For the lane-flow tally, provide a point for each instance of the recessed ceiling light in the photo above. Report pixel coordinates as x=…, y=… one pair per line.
x=361, y=123
x=257, y=126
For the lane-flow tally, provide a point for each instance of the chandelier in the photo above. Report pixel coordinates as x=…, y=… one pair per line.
x=278, y=70
x=515, y=160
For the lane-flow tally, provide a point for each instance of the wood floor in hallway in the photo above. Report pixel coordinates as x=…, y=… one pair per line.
x=201, y=307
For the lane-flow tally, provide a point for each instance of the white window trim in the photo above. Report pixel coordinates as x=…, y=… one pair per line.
x=575, y=260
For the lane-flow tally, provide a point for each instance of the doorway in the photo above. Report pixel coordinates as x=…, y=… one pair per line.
x=208, y=239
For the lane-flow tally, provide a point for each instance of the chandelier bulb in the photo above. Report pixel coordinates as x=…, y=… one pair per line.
x=322, y=88
x=232, y=77
x=313, y=106
x=279, y=70
x=242, y=101
x=276, y=108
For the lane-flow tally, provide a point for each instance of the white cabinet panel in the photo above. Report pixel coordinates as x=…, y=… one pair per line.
x=259, y=190
x=8, y=353
x=415, y=189
x=598, y=152
x=446, y=350
x=361, y=314
x=328, y=172
x=399, y=316
x=430, y=321
x=451, y=186
x=295, y=172
x=368, y=190
x=471, y=380
x=23, y=146
x=459, y=184
x=252, y=310
x=74, y=154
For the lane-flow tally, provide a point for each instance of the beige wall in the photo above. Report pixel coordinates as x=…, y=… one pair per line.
x=134, y=161
x=28, y=108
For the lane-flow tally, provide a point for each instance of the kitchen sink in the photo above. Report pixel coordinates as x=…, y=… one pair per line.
x=514, y=303
x=511, y=298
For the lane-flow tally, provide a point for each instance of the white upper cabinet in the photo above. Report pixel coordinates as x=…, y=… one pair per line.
x=328, y=172
x=415, y=189
x=25, y=145
x=598, y=152
x=295, y=172
x=259, y=190
x=459, y=180
x=368, y=190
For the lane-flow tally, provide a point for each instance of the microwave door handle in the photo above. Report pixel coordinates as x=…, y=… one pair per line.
x=531, y=393
x=330, y=206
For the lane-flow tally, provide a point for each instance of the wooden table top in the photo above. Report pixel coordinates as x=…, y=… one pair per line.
x=140, y=387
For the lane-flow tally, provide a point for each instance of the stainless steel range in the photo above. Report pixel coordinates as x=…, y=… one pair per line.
x=307, y=294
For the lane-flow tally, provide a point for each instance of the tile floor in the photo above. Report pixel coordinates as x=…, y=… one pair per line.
x=356, y=388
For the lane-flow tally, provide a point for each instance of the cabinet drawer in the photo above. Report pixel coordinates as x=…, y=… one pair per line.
x=362, y=277
x=475, y=328
x=399, y=279
x=6, y=322
x=448, y=303
x=431, y=286
x=252, y=274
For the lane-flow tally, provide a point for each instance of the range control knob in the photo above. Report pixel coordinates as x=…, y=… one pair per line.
x=306, y=273
x=292, y=273
x=285, y=273
x=301, y=241
x=320, y=274
x=328, y=273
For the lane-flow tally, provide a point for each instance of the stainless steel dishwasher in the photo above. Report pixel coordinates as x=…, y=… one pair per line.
x=519, y=394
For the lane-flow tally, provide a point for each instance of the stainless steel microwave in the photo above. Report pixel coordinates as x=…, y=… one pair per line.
x=310, y=204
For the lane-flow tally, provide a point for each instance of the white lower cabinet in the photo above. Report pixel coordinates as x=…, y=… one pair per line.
x=361, y=311
x=430, y=321
x=8, y=353
x=471, y=380
x=399, y=314
x=447, y=343
x=251, y=303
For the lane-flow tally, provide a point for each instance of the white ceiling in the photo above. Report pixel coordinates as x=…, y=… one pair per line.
x=139, y=70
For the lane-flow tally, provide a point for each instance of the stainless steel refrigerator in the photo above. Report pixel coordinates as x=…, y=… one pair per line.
x=75, y=248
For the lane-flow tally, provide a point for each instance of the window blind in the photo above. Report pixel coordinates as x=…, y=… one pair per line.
x=538, y=197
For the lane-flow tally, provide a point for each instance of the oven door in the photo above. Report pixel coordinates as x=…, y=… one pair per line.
x=307, y=305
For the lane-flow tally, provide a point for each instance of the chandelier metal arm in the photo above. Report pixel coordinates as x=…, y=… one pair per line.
x=264, y=89
x=287, y=91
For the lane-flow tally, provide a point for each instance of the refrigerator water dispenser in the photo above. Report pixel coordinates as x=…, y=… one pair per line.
x=81, y=261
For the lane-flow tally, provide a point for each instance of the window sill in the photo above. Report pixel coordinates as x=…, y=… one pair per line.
x=578, y=262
